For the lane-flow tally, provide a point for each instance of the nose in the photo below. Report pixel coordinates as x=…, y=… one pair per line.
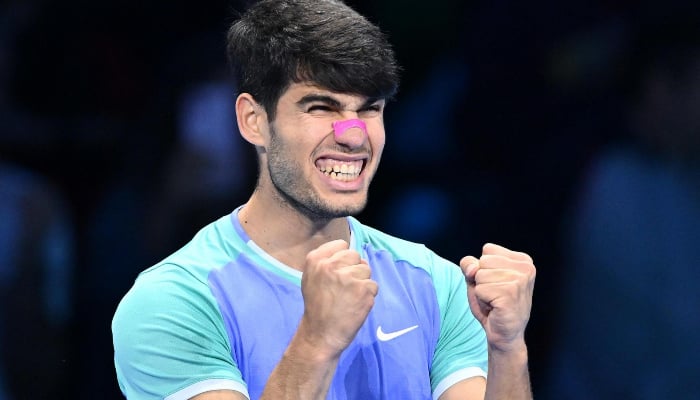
x=350, y=132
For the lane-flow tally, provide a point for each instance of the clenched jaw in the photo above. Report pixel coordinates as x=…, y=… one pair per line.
x=341, y=170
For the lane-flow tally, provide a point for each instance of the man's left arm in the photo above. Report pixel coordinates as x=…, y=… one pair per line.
x=500, y=285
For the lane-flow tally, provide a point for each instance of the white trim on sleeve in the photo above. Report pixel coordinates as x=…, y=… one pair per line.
x=207, y=386
x=455, y=377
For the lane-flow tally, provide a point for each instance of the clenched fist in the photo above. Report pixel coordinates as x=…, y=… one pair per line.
x=500, y=285
x=338, y=295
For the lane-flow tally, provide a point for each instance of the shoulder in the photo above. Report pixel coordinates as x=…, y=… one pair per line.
x=161, y=295
x=180, y=283
x=212, y=247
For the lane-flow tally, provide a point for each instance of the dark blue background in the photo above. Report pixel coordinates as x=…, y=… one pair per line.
x=502, y=106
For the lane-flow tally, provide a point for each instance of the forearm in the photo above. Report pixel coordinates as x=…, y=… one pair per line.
x=508, y=375
x=304, y=372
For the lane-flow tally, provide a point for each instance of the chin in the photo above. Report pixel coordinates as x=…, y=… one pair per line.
x=340, y=212
x=352, y=207
x=351, y=211
x=329, y=211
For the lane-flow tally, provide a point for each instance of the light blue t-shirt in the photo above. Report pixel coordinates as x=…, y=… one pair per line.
x=219, y=313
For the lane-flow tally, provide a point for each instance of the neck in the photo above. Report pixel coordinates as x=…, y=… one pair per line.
x=285, y=233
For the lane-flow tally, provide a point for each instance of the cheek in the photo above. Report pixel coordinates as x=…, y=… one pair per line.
x=378, y=149
x=291, y=142
x=377, y=141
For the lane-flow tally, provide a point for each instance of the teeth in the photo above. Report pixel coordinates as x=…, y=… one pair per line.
x=342, y=172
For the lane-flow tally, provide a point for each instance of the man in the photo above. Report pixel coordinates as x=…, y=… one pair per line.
x=291, y=298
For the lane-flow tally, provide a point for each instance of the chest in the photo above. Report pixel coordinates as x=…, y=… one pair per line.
x=390, y=357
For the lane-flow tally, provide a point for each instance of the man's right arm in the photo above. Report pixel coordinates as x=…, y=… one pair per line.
x=302, y=373
x=338, y=295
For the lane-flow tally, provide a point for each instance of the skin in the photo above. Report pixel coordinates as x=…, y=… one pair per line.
x=500, y=286
x=296, y=214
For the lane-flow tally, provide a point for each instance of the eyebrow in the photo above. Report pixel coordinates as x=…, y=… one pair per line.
x=320, y=98
x=331, y=101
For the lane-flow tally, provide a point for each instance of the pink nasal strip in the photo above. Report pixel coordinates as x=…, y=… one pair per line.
x=341, y=126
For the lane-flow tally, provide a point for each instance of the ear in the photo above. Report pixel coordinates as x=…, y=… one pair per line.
x=252, y=119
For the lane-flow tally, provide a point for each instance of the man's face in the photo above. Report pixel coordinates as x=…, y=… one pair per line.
x=318, y=173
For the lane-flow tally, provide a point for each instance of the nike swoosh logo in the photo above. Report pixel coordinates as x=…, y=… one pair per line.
x=384, y=337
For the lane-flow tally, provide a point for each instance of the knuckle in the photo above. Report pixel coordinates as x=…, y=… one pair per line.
x=311, y=256
x=373, y=288
x=324, y=264
x=486, y=260
x=525, y=256
x=480, y=291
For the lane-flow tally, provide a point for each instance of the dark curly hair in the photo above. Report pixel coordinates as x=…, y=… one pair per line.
x=277, y=42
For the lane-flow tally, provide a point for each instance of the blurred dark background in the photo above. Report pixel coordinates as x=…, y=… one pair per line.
x=536, y=125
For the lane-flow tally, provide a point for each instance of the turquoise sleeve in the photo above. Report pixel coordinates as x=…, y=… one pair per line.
x=169, y=336
x=461, y=346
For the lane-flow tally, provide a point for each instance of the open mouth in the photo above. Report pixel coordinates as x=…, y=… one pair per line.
x=340, y=170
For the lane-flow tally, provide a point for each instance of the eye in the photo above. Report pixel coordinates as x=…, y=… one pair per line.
x=318, y=108
x=372, y=110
